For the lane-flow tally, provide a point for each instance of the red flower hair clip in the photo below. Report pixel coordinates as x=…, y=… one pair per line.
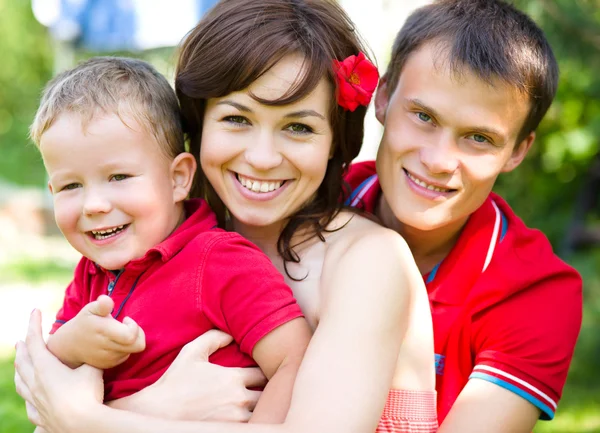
x=357, y=79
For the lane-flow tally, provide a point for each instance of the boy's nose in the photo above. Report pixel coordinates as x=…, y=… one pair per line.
x=95, y=203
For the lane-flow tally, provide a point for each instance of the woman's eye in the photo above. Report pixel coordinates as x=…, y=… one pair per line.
x=299, y=128
x=70, y=186
x=119, y=177
x=424, y=117
x=236, y=120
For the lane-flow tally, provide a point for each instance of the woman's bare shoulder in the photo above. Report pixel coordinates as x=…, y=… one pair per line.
x=356, y=234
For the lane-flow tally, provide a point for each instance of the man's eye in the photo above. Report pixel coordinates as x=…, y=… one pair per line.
x=119, y=177
x=479, y=138
x=423, y=116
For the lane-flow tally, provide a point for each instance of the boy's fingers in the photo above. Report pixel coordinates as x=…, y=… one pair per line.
x=137, y=336
x=206, y=344
x=102, y=306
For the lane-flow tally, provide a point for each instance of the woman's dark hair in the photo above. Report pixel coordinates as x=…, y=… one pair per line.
x=237, y=42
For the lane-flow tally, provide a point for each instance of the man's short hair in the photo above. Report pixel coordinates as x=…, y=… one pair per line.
x=491, y=39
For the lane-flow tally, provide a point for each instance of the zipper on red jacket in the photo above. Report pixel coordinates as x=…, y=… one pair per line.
x=112, y=283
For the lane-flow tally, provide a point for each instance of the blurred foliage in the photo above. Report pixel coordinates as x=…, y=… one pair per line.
x=25, y=67
x=544, y=188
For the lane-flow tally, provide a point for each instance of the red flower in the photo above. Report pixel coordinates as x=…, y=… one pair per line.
x=357, y=79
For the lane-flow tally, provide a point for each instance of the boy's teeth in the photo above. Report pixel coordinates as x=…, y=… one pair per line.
x=103, y=234
x=258, y=186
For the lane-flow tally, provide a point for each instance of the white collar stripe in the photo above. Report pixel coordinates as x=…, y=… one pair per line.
x=494, y=240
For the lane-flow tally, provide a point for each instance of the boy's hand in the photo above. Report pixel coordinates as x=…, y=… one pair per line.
x=97, y=339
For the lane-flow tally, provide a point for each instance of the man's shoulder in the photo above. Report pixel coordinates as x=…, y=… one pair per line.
x=525, y=260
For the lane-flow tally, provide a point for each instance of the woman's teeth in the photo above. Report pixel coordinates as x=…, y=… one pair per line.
x=259, y=186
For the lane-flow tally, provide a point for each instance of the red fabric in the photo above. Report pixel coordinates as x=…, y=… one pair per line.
x=409, y=412
x=515, y=324
x=200, y=278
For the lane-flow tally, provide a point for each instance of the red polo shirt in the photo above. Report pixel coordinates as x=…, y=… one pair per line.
x=199, y=278
x=505, y=308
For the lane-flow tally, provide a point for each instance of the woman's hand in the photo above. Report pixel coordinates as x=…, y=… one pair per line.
x=53, y=393
x=194, y=389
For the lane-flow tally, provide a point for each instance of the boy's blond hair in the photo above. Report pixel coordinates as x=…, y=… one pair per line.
x=114, y=85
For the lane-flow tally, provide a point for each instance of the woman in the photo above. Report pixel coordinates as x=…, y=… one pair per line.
x=268, y=89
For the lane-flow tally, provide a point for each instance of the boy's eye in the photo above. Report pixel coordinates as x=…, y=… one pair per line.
x=237, y=120
x=70, y=186
x=423, y=116
x=119, y=177
x=299, y=128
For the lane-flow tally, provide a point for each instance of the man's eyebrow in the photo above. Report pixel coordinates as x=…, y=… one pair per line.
x=483, y=129
x=421, y=104
x=305, y=113
x=235, y=105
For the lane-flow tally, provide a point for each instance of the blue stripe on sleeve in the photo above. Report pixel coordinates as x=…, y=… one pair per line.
x=547, y=412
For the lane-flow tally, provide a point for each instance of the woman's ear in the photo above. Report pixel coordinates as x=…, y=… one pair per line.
x=183, y=169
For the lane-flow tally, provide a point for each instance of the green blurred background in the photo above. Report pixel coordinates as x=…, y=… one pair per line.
x=557, y=188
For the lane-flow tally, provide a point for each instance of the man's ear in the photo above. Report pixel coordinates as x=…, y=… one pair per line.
x=183, y=169
x=519, y=153
x=382, y=100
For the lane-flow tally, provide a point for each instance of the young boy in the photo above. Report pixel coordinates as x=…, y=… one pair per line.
x=156, y=272
x=467, y=85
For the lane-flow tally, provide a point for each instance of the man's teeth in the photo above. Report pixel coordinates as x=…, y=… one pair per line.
x=103, y=234
x=258, y=186
x=426, y=185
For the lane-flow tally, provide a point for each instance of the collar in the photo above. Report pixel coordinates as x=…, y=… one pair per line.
x=199, y=218
x=470, y=257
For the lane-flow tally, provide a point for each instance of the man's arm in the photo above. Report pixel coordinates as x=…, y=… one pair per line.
x=485, y=407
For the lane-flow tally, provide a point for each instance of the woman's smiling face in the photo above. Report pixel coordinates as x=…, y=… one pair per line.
x=266, y=162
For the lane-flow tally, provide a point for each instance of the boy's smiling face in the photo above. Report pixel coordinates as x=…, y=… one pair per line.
x=113, y=188
x=447, y=138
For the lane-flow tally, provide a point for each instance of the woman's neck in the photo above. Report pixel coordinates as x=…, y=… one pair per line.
x=264, y=237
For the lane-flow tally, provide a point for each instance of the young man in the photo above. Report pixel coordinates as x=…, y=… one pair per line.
x=467, y=85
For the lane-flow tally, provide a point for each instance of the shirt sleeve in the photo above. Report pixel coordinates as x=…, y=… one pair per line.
x=75, y=296
x=242, y=293
x=526, y=343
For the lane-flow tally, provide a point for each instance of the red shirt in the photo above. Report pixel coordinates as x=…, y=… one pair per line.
x=505, y=308
x=199, y=278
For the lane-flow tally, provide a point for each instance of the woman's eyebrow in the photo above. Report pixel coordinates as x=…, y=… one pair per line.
x=235, y=105
x=305, y=113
